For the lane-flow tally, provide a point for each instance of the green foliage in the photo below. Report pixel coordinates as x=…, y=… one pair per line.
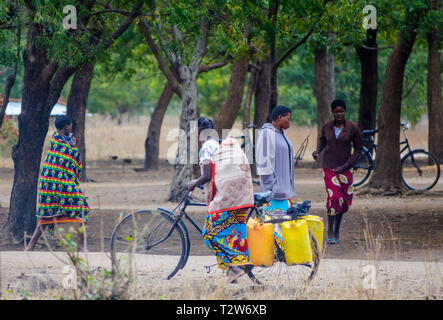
x=127, y=77
x=211, y=90
x=8, y=137
x=295, y=89
x=414, y=103
x=9, y=19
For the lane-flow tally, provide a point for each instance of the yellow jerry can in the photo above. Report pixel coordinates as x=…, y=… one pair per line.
x=316, y=226
x=260, y=238
x=296, y=242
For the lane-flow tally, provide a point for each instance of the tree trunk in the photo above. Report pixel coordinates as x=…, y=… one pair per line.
x=273, y=91
x=262, y=94
x=186, y=154
x=249, y=146
x=322, y=93
x=387, y=173
x=8, y=87
x=330, y=63
x=152, y=142
x=232, y=104
x=435, y=113
x=367, y=112
x=76, y=109
x=248, y=99
x=41, y=89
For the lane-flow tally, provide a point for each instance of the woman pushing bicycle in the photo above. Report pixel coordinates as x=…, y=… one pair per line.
x=337, y=138
x=227, y=181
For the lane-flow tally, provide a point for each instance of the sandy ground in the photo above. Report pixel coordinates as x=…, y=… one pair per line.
x=401, y=236
x=40, y=272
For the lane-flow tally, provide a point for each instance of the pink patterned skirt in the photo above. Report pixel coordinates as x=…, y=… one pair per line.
x=340, y=191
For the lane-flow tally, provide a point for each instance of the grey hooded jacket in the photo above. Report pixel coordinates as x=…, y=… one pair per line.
x=275, y=166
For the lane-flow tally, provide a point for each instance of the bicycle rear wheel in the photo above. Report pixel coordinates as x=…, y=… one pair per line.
x=290, y=277
x=420, y=170
x=362, y=168
x=141, y=246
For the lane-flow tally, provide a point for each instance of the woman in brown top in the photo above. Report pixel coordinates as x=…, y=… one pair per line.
x=336, y=141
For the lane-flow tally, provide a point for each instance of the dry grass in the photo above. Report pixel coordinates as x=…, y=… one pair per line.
x=335, y=280
x=348, y=284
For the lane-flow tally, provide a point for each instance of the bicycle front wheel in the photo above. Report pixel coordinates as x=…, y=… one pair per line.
x=290, y=278
x=148, y=243
x=420, y=170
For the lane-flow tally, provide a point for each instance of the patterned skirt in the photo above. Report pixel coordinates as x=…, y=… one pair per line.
x=224, y=233
x=340, y=191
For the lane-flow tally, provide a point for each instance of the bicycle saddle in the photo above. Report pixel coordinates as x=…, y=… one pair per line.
x=261, y=198
x=369, y=132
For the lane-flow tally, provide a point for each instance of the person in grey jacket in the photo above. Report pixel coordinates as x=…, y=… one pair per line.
x=274, y=160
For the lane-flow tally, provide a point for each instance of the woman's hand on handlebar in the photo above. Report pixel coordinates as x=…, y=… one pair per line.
x=191, y=185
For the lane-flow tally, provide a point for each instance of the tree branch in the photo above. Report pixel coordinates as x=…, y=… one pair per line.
x=125, y=13
x=161, y=61
x=376, y=48
x=174, y=58
x=57, y=84
x=411, y=88
x=303, y=40
x=254, y=66
x=216, y=65
x=291, y=49
x=125, y=25
x=201, y=47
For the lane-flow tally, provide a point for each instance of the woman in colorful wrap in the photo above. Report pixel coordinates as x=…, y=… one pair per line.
x=60, y=199
x=337, y=138
x=275, y=165
x=229, y=193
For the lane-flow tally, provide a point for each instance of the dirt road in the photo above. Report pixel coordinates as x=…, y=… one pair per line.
x=402, y=233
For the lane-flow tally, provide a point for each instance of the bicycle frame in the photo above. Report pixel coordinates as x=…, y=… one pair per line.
x=179, y=219
x=405, y=141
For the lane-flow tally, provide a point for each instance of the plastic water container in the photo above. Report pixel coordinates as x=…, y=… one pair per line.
x=260, y=237
x=296, y=242
x=316, y=226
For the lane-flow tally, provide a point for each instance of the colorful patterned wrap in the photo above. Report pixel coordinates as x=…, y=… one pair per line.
x=59, y=183
x=225, y=234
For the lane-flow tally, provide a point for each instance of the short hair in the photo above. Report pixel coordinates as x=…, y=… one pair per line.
x=61, y=121
x=280, y=111
x=338, y=103
x=205, y=123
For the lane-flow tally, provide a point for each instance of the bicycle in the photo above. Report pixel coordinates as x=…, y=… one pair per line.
x=420, y=169
x=159, y=240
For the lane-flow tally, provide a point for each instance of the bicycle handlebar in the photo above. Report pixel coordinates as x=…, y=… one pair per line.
x=404, y=125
